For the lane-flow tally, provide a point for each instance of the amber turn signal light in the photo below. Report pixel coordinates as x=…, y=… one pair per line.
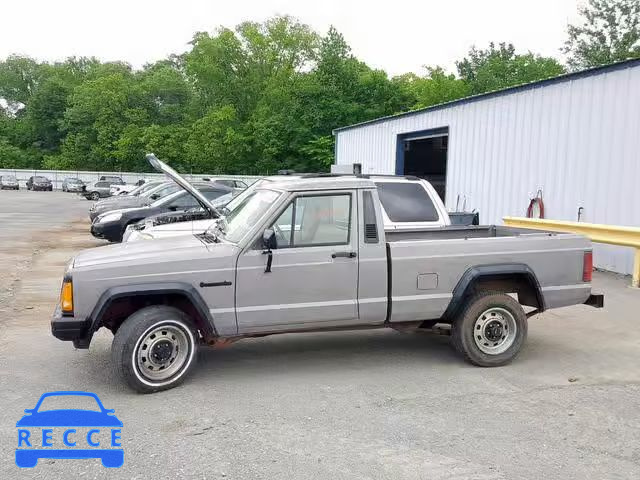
x=66, y=297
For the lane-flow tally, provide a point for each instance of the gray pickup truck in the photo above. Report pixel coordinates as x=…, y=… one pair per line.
x=311, y=254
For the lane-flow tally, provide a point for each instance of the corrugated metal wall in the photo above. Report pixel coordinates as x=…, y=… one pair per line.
x=578, y=140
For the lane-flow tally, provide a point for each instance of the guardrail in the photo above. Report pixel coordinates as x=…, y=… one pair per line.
x=57, y=176
x=599, y=233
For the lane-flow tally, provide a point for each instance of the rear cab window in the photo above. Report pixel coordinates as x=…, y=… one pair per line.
x=406, y=202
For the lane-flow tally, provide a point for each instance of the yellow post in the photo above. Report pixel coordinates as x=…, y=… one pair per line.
x=635, y=280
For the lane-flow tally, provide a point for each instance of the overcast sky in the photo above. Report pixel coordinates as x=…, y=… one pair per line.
x=395, y=35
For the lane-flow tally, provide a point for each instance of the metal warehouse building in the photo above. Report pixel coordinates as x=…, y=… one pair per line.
x=575, y=137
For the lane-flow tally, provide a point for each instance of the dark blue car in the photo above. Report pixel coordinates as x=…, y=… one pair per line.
x=100, y=420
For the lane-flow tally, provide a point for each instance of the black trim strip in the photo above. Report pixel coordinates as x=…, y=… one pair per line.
x=226, y=283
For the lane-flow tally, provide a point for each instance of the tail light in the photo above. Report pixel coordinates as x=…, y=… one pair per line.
x=587, y=266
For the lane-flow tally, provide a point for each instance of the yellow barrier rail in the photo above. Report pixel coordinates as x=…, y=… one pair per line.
x=611, y=234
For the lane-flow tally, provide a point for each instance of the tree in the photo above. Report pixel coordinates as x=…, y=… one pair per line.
x=13, y=157
x=500, y=67
x=609, y=32
x=434, y=88
x=217, y=143
x=19, y=77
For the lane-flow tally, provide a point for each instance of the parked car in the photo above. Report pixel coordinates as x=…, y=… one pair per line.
x=311, y=254
x=112, y=179
x=9, y=182
x=125, y=188
x=170, y=224
x=39, y=183
x=72, y=184
x=145, y=196
x=96, y=190
x=111, y=225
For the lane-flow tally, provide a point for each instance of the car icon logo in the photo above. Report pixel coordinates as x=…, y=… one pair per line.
x=69, y=433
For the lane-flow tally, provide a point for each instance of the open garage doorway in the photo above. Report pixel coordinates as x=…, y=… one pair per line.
x=424, y=154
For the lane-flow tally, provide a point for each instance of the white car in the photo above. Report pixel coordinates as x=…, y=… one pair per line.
x=126, y=188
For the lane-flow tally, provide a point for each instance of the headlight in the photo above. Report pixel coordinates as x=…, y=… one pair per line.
x=110, y=217
x=146, y=236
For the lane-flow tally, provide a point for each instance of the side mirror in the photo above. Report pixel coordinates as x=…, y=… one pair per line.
x=269, y=241
x=154, y=196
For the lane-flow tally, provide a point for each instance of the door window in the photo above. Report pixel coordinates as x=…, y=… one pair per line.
x=315, y=220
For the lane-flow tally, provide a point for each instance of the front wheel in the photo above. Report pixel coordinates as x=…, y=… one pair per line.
x=490, y=330
x=95, y=196
x=155, y=348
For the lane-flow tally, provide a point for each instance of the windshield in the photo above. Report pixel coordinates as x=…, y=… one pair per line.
x=9, y=178
x=162, y=190
x=144, y=188
x=239, y=199
x=40, y=179
x=246, y=214
x=73, y=180
x=168, y=198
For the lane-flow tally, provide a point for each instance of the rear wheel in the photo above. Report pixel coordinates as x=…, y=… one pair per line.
x=155, y=348
x=490, y=330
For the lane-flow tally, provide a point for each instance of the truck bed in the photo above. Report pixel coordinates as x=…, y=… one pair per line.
x=426, y=265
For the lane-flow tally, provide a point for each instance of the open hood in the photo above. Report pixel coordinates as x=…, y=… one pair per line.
x=160, y=166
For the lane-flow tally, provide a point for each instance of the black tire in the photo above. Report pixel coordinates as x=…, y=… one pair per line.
x=487, y=323
x=130, y=344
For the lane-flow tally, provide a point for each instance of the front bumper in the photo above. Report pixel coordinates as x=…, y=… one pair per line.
x=42, y=187
x=70, y=329
x=111, y=231
x=74, y=188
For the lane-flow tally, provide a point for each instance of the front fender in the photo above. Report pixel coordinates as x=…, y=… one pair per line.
x=181, y=288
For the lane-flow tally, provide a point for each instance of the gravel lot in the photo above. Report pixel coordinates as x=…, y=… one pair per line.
x=370, y=404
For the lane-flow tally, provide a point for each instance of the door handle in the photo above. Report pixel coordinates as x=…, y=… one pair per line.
x=344, y=254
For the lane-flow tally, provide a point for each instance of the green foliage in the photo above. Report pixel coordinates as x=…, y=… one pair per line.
x=249, y=100
x=14, y=157
x=609, y=32
x=434, y=88
x=501, y=67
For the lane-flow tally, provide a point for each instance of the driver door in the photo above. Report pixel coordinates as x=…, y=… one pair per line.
x=314, y=274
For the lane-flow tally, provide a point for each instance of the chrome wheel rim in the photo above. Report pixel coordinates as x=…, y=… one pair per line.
x=494, y=331
x=163, y=351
